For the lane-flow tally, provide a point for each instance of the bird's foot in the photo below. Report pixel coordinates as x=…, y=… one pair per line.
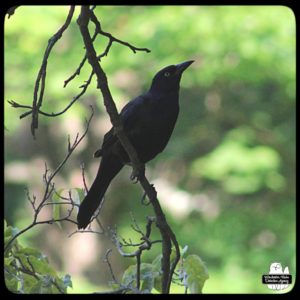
x=137, y=172
x=143, y=200
x=134, y=177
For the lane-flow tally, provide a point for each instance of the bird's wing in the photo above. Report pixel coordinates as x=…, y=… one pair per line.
x=108, y=140
x=133, y=113
x=130, y=115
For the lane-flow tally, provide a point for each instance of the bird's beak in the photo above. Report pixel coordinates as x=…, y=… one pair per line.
x=181, y=67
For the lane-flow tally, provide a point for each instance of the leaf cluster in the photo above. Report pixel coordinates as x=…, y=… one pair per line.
x=28, y=271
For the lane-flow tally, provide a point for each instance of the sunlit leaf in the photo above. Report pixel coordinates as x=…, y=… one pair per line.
x=129, y=276
x=196, y=272
x=30, y=251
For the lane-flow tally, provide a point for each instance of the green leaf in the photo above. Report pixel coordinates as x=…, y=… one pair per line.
x=56, y=207
x=62, y=288
x=10, y=272
x=184, y=250
x=10, y=232
x=77, y=196
x=11, y=284
x=35, y=288
x=196, y=273
x=40, y=265
x=8, y=260
x=156, y=263
x=181, y=250
x=45, y=279
x=30, y=251
x=22, y=260
x=147, y=276
x=157, y=283
x=29, y=283
x=173, y=254
x=114, y=285
x=156, y=266
x=129, y=276
x=67, y=281
x=80, y=195
x=15, y=231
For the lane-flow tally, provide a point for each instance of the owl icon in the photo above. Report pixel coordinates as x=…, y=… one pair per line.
x=276, y=269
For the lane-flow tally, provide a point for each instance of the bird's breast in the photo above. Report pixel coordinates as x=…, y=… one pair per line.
x=154, y=132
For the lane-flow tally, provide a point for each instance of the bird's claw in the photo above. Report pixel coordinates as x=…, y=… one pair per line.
x=136, y=173
x=134, y=177
x=143, y=200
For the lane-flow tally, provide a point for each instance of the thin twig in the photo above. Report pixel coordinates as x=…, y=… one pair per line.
x=138, y=270
x=111, y=38
x=49, y=189
x=39, y=92
x=106, y=260
x=84, y=88
x=83, y=178
x=77, y=71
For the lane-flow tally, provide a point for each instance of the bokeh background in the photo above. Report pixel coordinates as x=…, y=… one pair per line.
x=226, y=180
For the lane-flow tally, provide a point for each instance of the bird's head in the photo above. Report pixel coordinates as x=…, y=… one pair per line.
x=168, y=79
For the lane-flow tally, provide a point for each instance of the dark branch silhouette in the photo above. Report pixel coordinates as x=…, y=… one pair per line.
x=138, y=168
x=50, y=190
x=39, y=91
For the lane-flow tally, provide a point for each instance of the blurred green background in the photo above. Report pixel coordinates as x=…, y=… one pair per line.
x=226, y=180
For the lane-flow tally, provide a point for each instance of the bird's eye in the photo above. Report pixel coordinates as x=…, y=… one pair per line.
x=167, y=74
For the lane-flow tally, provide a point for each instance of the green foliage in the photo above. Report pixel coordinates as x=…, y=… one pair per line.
x=242, y=168
x=147, y=276
x=196, y=273
x=27, y=271
x=191, y=269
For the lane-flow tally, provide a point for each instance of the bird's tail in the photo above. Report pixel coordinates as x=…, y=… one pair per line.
x=108, y=169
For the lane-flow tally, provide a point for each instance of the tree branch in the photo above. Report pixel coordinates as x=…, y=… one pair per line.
x=84, y=88
x=138, y=168
x=39, y=92
x=112, y=38
x=49, y=190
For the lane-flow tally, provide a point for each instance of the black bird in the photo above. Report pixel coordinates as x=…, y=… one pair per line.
x=148, y=121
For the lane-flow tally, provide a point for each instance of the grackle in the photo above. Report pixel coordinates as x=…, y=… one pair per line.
x=148, y=121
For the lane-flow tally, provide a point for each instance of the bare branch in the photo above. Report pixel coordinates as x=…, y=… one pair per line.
x=106, y=260
x=32, y=202
x=112, y=38
x=83, y=177
x=49, y=189
x=77, y=71
x=84, y=88
x=39, y=92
